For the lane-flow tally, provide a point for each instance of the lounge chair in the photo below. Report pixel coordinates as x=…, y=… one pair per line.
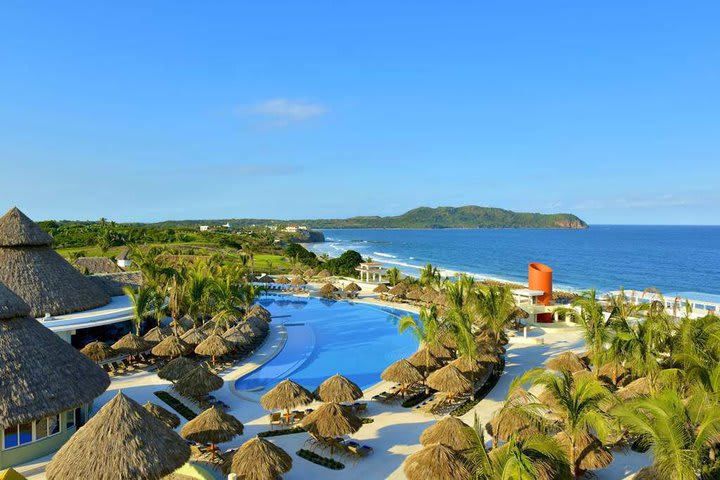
x=275, y=418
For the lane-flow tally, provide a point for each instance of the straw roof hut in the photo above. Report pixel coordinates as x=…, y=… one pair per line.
x=414, y=293
x=265, y=279
x=447, y=339
x=185, y=323
x=451, y=432
x=507, y=421
x=331, y=420
x=440, y=352
x=38, y=274
x=296, y=271
x=171, y=346
x=176, y=369
x=212, y=426
x=352, y=287
x=282, y=280
x=156, y=334
x=591, y=455
x=131, y=344
x=421, y=360
x=193, y=337
x=258, y=323
x=309, y=273
x=399, y=290
x=297, y=281
x=324, y=274
x=637, y=388
x=338, y=389
x=123, y=440
x=214, y=346
x=239, y=338
x=647, y=473
x=98, y=351
x=437, y=462
x=328, y=289
x=402, y=372
x=286, y=395
x=613, y=371
x=95, y=265
x=566, y=362
x=450, y=380
x=209, y=327
x=198, y=381
x=40, y=374
x=258, y=310
x=382, y=288
x=251, y=330
x=260, y=459
x=162, y=414
x=428, y=296
x=469, y=367
x=489, y=358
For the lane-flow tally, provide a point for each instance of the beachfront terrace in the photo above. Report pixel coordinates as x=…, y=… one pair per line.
x=372, y=272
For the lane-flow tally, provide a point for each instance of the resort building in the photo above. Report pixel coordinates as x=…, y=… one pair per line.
x=537, y=299
x=47, y=385
x=678, y=304
x=95, y=265
x=123, y=260
x=372, y=272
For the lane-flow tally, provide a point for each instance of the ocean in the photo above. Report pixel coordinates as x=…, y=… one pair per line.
x=677, y=260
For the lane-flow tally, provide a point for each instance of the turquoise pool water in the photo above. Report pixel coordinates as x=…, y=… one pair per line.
x=327, y=337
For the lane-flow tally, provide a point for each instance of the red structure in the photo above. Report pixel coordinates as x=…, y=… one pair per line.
x=540, y=278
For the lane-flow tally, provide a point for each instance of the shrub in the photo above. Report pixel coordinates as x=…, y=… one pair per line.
x=320, y=460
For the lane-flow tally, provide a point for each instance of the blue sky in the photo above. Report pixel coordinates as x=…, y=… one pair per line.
x=168, y=109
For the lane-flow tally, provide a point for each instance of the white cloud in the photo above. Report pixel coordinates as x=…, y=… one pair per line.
x=280, y=112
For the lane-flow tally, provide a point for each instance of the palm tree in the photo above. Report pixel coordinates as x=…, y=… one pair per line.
x=595, y=328
x=680, y=433
x=429, y=275
x=197, y=290
x=425, y=329
x=248, y=293
x=496, y=308
x=142, y=301
x=227, y=298
x=394, y=276
x=158, y=304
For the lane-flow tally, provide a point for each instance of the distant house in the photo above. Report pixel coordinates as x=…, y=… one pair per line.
x=204, y=228
x=295, y=228
x=123, y=260
x=95, y=265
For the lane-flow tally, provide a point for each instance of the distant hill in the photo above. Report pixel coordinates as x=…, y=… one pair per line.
x=424, y=217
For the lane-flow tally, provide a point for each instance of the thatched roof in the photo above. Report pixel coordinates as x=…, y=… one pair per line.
x=172, y=347
x=507, y=421
x=399, y=290
x=131, y=344
x=419, y=360
x=212, y=426
x=298, y=281
x=193, y=336
x=156, y=334
x=352, y=287
x=176, y=369
x=40, y=374
x=95, y=265
x=324, y=274
x=260, y=459
x=637, y=388
x=282, y=280
x=214, y=346
x=469, y=367
x=451, y=432
x=436, y=462
x=258, y=310
x=185, y=322
x=309, y=273
x=647, y=473
x=338, y=389
x=38, y=274
x=328, y=288
x=265, y=279
x=285, y=396
x=258, y=323
x=296, y=271
x=251, y=330
x=446, y=338
x=198, y=381
x=403, y=372
x=123, y=440
x=209, y=327
x=450, y=380
x=566, y=362
x=238, y=337
x=162, y=414
x=592, y=455
x=489, y=358
x=414, y=293
x=613, y=371
x=382, y=288
x=331, y=420
x=440, y=352
x=98, y=351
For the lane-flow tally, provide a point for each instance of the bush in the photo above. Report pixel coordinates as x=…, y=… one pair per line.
x=416, y=399
x=277, y=433
x=345, y=264
x=176, y=405
x=295, y=250
x=320, y=460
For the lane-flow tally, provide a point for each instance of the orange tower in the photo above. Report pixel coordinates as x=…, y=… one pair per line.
x=540, y=278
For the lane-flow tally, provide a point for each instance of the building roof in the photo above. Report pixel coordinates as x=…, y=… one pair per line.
x=95, y=265
x=16, y=229
x=40, y=374
x=124, y=255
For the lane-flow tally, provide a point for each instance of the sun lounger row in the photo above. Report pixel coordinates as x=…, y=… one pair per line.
x=341, y=446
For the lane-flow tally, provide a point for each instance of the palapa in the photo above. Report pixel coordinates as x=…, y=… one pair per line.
x=324, y=274
x=96, y=265
x=399, y=290
x=131, y=344
x=156, y=335
x=352, y=287
x=328, y=289
x=162, y=414
x=414, y=293
x=258, y=323
x=591, y=455
x=282, y=280
x=331, y=420
x=437, y=462
x=209, y=327
x=258, y=310
x=402, y=372
x=637, y=388
x=183, y=323
x=338, y=389
x=38, y=274
x=440, y=352
x=175, y=369
x=309, y=273
x=122, y=440
x=446, y=338
x=251, y=330
x=451, y=432
x=450, y=380
x=212, y=426
x=98, y=351
x=470, y=367
x=40, y=374
x=265, y=279
x=508, y=421
x=297, y=281
x=566, y=362
x=198, y=382
x=382, y=288
x=214, y=346
x=425, y=360
x=260, y=459
x=286, y=395
x=172, y=347
x=240, y=339
x=193, y=337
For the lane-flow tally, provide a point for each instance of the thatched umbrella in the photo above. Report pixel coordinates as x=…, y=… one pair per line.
x=198, y=382
x=258, y=310
x=193, y=337
x=265, y=279
x=286, y=395
x=566, y=362
x=40, y=374
x=174, y=370
x=165, y=416
x=239, y=338
x=324, y=274
x=591, y=455
x=352, y=287
x=437, y=462
x=398, y=290
x=402, y=372
x=450, y=380
x=470, y=367
x=37, y=274
x=414, y=293
x=172, y=347
x=297, y=281
x=122, y=440
x=156, y=335
x=440, y=352
x=508, y=421
x=132, y=344
x=98, y=351
x=331, y=420
x=422, y=361
x=309, y=273
x=296, y=271
x=338, y=389
x=647, y=473
x=447, y=339
x=209, y=327
x=451, y=432
x=382, y=288
x=636, y=388
x=251, y=330
x=214, y=346
x=328, y=289
x=613, y=371
x=182, y=324
x=488, y=358
x=260, y=459
x=212, y=426
x=258, y=323
x=282, y=280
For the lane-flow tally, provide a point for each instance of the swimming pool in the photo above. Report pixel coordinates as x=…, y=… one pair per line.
x=326, y=337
